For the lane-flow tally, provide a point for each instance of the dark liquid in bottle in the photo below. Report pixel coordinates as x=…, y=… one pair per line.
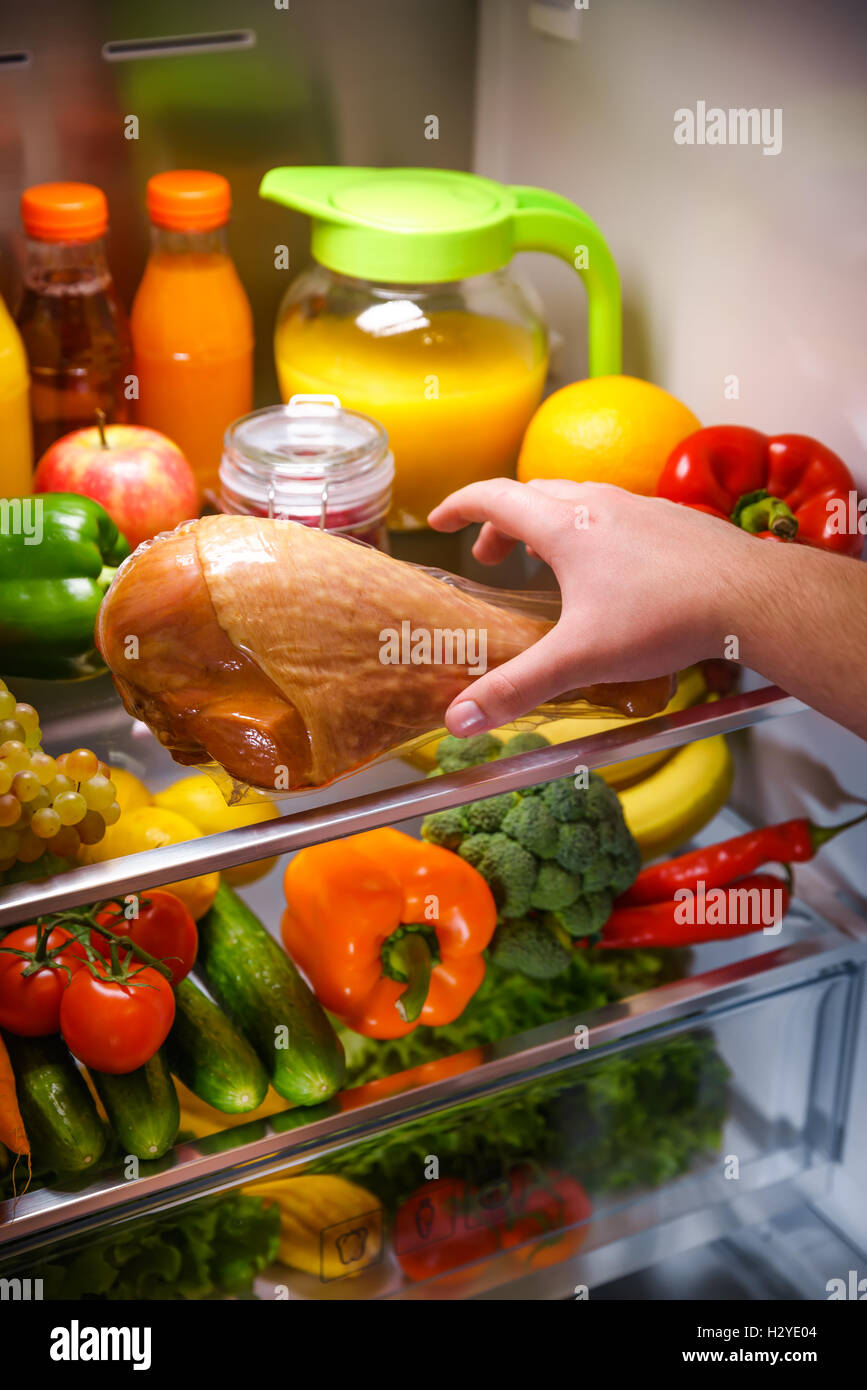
x=79, y=349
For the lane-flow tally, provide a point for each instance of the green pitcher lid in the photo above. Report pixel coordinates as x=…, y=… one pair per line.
x=423, y=226
x=400, y=225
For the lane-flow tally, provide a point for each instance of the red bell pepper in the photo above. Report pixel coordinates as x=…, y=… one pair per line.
x=787, y=486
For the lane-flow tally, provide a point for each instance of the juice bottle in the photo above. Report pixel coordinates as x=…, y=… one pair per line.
x=16, y=445
x=73, y=325
x=191, y=321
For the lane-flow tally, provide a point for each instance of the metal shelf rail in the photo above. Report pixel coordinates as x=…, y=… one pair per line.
x=90, y=883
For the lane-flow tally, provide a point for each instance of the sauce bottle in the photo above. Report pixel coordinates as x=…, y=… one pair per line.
x=191, y=321
x=16, y=452
x=73, y=325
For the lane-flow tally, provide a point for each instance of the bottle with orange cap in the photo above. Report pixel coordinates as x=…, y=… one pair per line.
x=191, y=321
x=74, y=328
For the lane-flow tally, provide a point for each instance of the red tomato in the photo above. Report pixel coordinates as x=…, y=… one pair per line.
x=30, y=1006
x=165, y=928
x=549, y=1206
x=447, y=1228
x=116, y=1027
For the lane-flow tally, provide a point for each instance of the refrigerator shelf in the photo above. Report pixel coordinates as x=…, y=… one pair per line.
x=383, y=806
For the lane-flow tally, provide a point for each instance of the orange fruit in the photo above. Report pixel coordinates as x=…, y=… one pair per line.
x=607, y=429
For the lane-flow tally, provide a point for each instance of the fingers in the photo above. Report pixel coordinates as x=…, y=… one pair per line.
x=546, y=669
x=516, y=511
x=491, y=546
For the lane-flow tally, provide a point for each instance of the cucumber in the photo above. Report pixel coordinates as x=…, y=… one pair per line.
x=260, y=989
x=142, y=1107
x=211, y=1057
x=61, y=1120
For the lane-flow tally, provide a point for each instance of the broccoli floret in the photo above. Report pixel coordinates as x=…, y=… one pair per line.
x=554, y=888
x=626, y=868
x=600, y=905
x=509, y=870
x=598, y=874
x=474, y=849
x=585, y=917
x=564, y=800
x=455, y=754
x=614, y=837
x=446, y=828
x=576, y=919
x=531, y=946
x=522, y=743
x=556, y=848
x=600, y=799
x=532, y=825
x=577, y=846
x=484, y=817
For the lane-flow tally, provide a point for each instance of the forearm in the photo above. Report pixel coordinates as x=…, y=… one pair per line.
x=800, y=619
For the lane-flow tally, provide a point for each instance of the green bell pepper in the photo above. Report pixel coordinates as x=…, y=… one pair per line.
x=58, y=554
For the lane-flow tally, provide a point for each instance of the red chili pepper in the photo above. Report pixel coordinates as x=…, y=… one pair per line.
x=787, y=486
x=684, y=922
x=792, y=842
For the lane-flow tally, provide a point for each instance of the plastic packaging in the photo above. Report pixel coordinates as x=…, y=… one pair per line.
x=290, y=657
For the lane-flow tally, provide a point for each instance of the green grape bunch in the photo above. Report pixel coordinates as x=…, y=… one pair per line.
x=47, y=804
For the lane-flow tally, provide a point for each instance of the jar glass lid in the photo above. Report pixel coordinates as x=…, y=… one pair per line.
x=308, y=451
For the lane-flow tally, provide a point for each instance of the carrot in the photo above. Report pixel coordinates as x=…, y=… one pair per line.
x=12, y=1131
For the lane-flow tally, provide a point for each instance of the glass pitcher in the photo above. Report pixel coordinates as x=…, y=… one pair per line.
x=412, y=316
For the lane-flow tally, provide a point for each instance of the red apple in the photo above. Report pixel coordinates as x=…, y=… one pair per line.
x=140, y=477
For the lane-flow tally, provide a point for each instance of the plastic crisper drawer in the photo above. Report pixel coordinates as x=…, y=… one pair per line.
x=541, y=1165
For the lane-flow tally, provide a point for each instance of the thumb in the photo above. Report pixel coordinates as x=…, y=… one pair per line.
x=546, y=669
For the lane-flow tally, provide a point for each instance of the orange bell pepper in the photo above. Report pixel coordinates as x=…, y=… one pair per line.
x=388, y=930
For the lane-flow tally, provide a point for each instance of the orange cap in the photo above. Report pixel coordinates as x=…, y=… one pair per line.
x=64, y=212
x=188, y=200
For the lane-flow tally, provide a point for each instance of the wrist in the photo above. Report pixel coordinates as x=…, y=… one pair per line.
x=749, y=605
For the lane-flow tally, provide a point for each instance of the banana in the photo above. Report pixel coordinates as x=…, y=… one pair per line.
x=666, y=809
x=319, y=1205
x=691, y=688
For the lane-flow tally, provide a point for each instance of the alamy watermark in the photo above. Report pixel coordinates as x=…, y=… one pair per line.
x=847, y=515
x=435, y=646
x=22, y=516
x=736, y=125
x=730, y=907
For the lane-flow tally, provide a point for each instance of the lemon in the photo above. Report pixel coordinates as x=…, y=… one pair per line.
x=130, y=793
x=607, y=429
x=201, y=801
x=151, y=827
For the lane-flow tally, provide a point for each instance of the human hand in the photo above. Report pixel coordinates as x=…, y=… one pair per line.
x=646, y=585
